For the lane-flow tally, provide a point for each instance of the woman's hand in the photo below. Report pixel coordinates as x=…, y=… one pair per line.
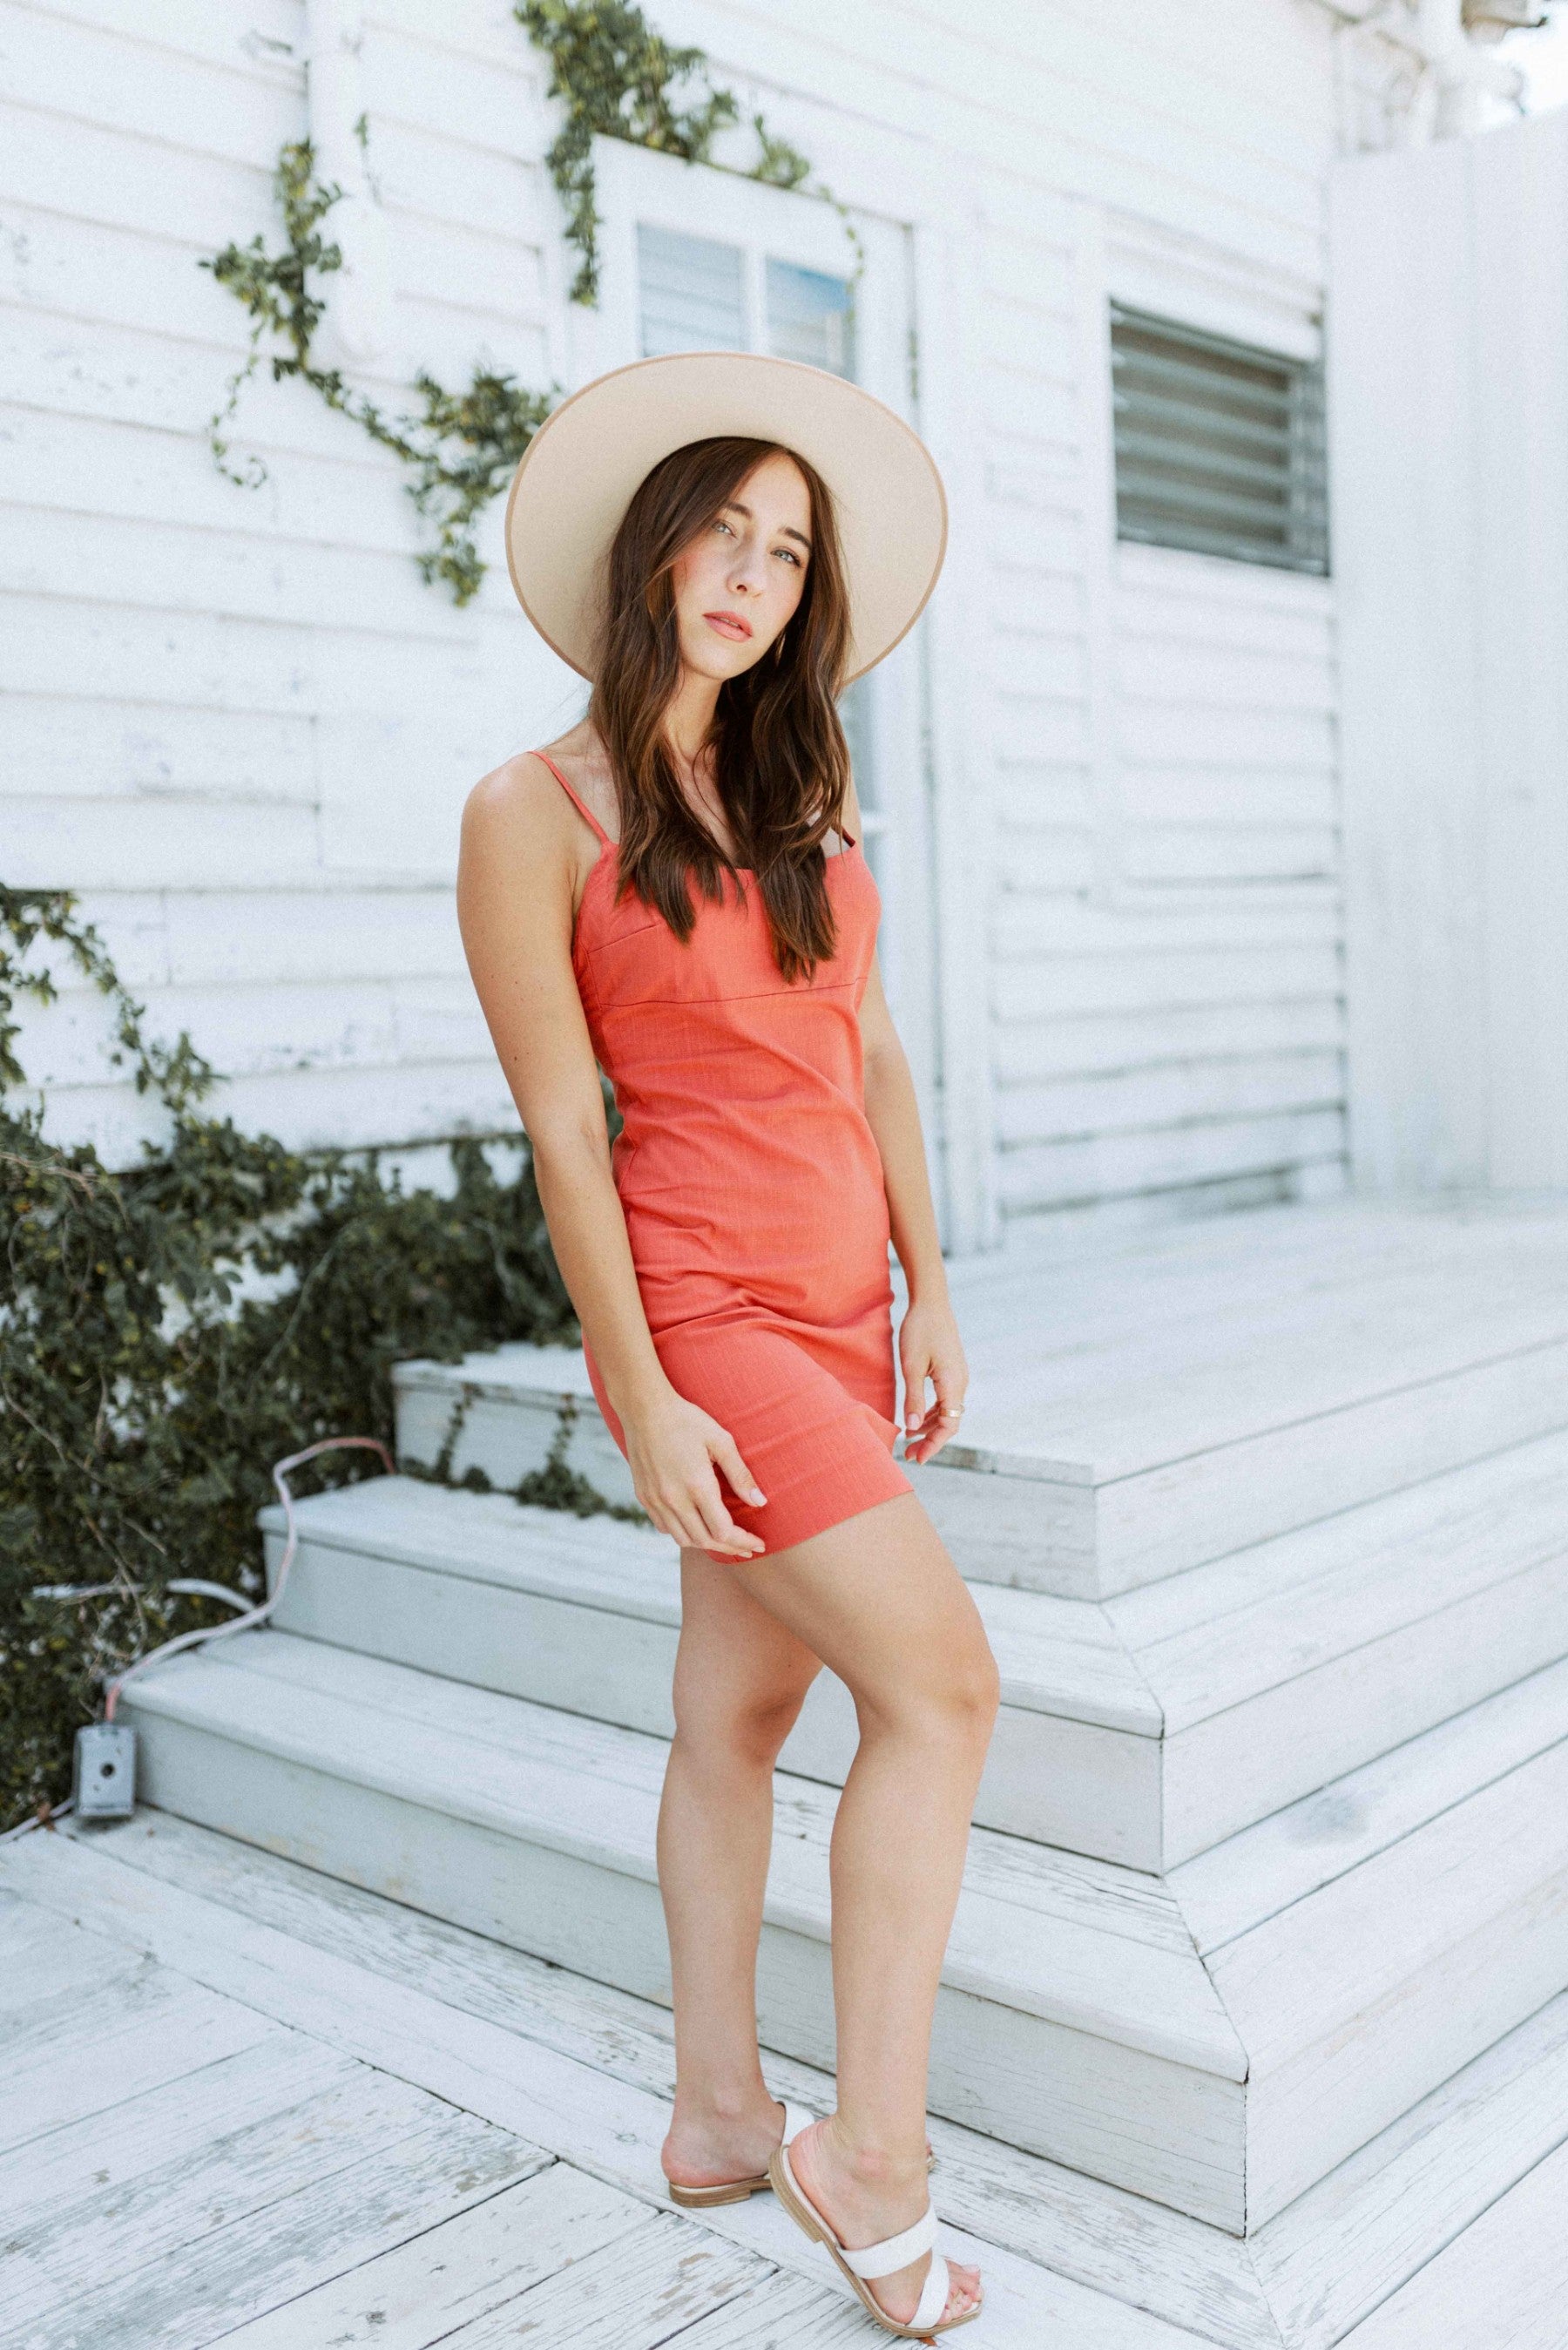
x=672, y=1448
x=930, y=1348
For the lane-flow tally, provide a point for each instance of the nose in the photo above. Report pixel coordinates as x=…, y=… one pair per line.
x=746, y=573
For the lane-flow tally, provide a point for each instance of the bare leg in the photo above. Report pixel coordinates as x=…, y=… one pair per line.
x=741, y=1678
x=878, y=1599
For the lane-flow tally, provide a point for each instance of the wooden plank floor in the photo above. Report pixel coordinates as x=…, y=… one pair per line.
x=268, y=2163
x=241, y=2102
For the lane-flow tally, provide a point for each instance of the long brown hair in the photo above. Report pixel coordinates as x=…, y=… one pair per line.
x=781, y=765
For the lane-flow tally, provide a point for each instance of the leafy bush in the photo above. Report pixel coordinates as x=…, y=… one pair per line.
x=169, y=1329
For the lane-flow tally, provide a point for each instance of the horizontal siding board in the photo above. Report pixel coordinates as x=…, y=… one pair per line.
x=1027, y=407
x=1028, y=271
x=1030, y=795
x=75, y=748
x=1059, y=1174
x=199, y=939
x=414, y=1102
x=1046, y=859
x=160, y=565
x=1227, y=853
x=1069, y=1109
x=262, y=1029
x=1199, y=732
x=1115, y=1044
x=1307, y=918
x=1036, y=726
x=490, y=101
x=1232, y=796
x=85, y=845
x=194, y=28
x=1223, y=677
x=1060, y=986
x=1022, y=661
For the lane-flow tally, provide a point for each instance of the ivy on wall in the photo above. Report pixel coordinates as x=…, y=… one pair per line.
x=170, y=1329
x=461, y=448
x=619, y=78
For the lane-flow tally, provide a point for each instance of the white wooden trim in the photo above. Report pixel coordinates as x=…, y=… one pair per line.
x=962, y=806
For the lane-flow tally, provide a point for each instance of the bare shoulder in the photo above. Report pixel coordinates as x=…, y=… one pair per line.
x=523, y=796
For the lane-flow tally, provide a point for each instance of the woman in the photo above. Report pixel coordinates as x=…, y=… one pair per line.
x=720, y=541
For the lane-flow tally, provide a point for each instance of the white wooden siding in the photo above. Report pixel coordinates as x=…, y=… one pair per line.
x=242, y=727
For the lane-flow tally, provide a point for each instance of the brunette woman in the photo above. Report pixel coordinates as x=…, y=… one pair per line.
x=676, y=889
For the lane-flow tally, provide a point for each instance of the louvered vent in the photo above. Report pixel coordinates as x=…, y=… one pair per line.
x=1220, y=446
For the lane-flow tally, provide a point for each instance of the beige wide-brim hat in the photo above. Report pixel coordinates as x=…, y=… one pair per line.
x=584, y=464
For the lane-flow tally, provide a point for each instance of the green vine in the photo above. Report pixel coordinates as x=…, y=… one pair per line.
x=620, y=80
x=461, y=448
x=623, y=80
x=169, y=1329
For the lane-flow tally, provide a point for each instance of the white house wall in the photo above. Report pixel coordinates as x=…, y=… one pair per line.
x=1453, y=489
x=241, y=726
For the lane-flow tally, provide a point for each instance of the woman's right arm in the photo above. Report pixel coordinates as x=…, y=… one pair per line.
x=515, y=909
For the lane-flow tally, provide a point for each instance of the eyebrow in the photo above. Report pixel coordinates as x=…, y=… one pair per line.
x=734, y=506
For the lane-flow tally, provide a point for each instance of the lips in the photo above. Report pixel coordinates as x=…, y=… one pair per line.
x=728, y=624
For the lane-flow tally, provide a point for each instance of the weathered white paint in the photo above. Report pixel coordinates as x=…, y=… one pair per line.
x=240, y=714
x=1450, y=526
x=588, y=2072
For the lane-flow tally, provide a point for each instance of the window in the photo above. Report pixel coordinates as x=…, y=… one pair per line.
x=1220, y=445
x=692, y=292
x=692, y=296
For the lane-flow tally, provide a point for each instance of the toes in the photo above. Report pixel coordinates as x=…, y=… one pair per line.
x=965, y=2292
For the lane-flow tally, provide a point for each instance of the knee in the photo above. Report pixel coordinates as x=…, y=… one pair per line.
x=970, y=1690
x=952, y=1701
x=745, y=1731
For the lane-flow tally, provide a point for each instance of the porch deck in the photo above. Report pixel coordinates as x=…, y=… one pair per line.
x=245, y=2103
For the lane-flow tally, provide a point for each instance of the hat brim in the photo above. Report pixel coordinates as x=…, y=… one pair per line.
x=582, y=467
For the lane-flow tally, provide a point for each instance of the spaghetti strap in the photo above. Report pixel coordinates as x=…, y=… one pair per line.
x=581, y=805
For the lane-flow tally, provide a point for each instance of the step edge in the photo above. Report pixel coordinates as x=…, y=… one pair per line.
x=1020, y=1691
x=1220, y=2054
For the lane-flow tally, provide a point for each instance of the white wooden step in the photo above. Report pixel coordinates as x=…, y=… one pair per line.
x=1075, y=2017
x=1152, y=1408
x=1143, y=1730
x=582, y=1614
x=1079, y=2018
x=1288, y=1664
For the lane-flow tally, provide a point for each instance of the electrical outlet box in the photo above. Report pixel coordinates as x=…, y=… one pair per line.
x=104, y=1781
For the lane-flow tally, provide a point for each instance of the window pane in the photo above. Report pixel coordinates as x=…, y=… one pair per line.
x=811, y=316
x=691, y=291
x=1218, y=446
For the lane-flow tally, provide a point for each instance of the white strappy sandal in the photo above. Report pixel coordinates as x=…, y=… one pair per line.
x=736, y=2190
x=869, y=2262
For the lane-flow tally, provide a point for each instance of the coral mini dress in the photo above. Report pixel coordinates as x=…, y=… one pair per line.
x=751, y=1183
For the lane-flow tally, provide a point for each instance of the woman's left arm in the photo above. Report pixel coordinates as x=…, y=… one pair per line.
x=928, y=1343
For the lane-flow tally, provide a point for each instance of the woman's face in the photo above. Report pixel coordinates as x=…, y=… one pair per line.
x=742, y=578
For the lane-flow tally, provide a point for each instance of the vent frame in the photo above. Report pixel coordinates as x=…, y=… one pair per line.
x=1181, y=395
